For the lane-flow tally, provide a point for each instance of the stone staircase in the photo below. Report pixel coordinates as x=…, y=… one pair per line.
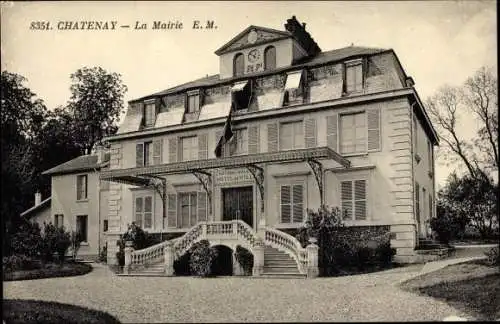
x=278, y=264
x=429, y=250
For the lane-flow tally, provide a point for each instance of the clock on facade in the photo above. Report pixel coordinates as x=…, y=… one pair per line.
x=253, y=55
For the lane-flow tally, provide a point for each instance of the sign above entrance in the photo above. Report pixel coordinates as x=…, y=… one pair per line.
x=232, y=176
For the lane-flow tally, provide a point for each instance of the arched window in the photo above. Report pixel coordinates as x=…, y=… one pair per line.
x=270, y=58
x=238, y=64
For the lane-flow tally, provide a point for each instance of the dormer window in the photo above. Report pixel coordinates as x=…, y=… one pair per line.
x=238, y=65
x=149, y=114
x=270, y=58
x=354, y=76
x=193, y=102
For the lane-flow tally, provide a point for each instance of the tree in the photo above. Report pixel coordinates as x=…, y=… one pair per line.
x=477, y=99
x=21, y=120
x=95, y=104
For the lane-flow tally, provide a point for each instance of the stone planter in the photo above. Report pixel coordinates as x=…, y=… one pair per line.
x=129, y=243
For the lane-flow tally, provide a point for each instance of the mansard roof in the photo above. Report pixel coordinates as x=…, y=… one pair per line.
x=320, y=59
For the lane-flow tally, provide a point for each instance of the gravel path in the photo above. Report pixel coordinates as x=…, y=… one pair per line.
x=369, y=297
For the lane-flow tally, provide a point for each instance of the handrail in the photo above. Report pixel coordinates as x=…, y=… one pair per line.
x=288, y=244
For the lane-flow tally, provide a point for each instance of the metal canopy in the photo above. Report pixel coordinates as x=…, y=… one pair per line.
x=141, y=176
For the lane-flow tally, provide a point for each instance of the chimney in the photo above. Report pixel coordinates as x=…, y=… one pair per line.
x=304, y=25
x=38, y=198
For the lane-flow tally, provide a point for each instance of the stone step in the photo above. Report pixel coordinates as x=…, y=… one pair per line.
x=280, y=270
x=289, y=263
x=283, y=275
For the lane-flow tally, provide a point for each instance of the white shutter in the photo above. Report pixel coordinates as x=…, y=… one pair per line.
x=172, y=150
x=203, y=146
x=148, y=212
x=139, y=209
x=285, y=204
x=331, y=132
x=310, y=133
x=202, y=206
x=253, y=139
x=373, y=121
x=157, y=151
x=298, y=203
x=139, y=155
x=360, y=199
x=172, y=210
x=272, y=137
x=346, y=199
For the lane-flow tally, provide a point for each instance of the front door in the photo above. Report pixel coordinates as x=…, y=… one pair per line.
x=238, y=204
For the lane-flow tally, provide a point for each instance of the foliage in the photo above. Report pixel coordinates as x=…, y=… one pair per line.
x=56, y=241
x=48, y=270
x=75, y=244
x=181, y=264
x=27, y=241
x=96, y=103
x=202, y=257
x=17, y=262
x=493, y=256
x=469, y=201
x=37, y=311
x=337, y=253
x=245, y=259
x=140, y=240
x=103, y=254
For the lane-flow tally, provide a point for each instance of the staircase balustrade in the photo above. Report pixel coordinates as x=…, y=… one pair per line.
x=288, y=244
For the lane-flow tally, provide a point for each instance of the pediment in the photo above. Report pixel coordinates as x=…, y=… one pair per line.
x=251, y=36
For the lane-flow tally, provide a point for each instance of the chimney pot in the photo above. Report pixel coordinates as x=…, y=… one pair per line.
x=304, y=26
x=38, y=198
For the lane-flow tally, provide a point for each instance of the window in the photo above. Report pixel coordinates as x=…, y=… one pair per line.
x=291, y=136
x=188, y=206
x=105, y=225
x=292, y=203
x=81, y=227
x=81, y=187
x=193, y=103
x=144, y=211
x=353, y=77
x=58, y=220
x=353, y=199
x=353, y=133
x=149, y=153
x=417, y=201
x=239, y=142
x=270, y=58
x=238, y=64
x=189, y=148
x=149, y=115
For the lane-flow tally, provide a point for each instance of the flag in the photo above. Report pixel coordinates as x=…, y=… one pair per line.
x=226, y=135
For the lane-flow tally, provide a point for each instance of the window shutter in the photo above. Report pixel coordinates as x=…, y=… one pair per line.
x=193, y=206
x=430, y=207
x=360, y=199
x=298, y=203
x=202, y=206
x=253, y=139
x=172, y=210
x=138, y=211
x=373, y=116
x=148, y=212
x=139, y=155
x=346, y=198
x=157, y=151
x=203, y=146
x=172, y=150
x=310, y=133
x=78, y=188
x=285, y=204
x=272, y=137
x=331, y=132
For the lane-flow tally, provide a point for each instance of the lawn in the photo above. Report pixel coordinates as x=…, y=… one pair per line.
x=472, y=287
x=49, y=270
x=35, y=311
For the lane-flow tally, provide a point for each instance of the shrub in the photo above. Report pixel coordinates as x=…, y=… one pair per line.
x=202, y=257
x=75, y=244
x=140, y=240
x=27, y=240
x=19, y=262
x=103, y=254
x=181, y=264
x=493, y=256
x=245, y=259
x=55, y=241
x=445, y=227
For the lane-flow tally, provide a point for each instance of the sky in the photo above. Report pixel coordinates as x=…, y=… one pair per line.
x=437, y=42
